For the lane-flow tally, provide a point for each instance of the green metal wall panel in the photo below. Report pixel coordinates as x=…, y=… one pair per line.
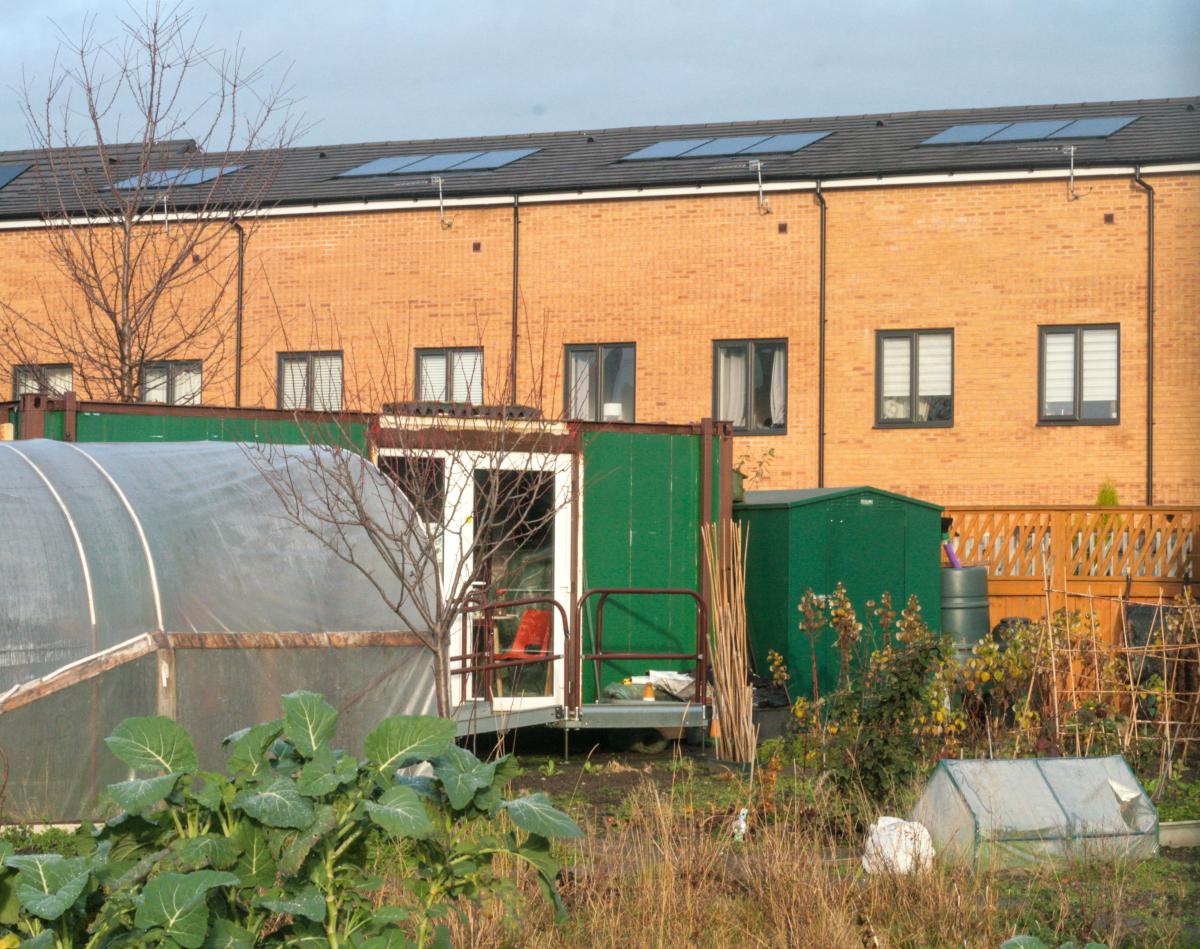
x=641, y=528
x=153, y=427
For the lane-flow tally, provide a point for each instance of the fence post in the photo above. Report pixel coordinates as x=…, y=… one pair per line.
x=1060, y=553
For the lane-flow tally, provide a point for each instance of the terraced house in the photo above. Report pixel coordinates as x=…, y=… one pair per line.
x=997, y=305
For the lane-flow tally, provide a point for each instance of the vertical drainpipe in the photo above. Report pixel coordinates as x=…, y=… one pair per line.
x=1137, y=179
x=237, y=344
x=821, y=349
x=516, y=272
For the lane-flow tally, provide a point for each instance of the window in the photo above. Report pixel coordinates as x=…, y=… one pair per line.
x=914, y=378
x=601, y=382
x=44, y=379
x=1080, y=377
x=310, y=381
x=750, y=385
x=173, y=382
x=450, y=375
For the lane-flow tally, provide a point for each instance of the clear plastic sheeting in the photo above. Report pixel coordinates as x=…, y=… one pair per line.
x=1019, y=812
x=218, y=550
x=141, y=579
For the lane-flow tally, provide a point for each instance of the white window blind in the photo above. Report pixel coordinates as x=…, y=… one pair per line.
x=293, y=383
x=187, y=383
x=1058, y=367
x=327, y=382
x=933, y=364
x=431, y=373
x=1099, y=365
x=897, y=368
x=466, y=377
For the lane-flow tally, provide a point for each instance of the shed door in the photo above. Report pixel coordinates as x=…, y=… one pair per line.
x=866, y=551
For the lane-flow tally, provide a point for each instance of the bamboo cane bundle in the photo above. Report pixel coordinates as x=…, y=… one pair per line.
x=725, y=557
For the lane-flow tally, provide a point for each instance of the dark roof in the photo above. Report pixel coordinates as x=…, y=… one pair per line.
x=797, y=497
x=1166, y=130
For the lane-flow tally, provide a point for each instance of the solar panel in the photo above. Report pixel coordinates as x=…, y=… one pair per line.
x=1094, y=128
x=726, y=145
x=1028, y=131
x=966, y=134
x=497, y=158
x=439, y=162
x=9, y=172
x=672, y=148
x=789, y=142
x=174, y=177
x=388, y=165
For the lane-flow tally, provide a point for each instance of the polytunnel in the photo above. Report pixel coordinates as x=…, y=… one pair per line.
x=1006, y=813
x=141, y=579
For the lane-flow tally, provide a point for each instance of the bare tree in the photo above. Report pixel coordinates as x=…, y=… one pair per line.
x=459, y=509
x=155, y=152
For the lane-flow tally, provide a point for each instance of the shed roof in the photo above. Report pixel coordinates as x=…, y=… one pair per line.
x=1166, y=130
x=797, y=497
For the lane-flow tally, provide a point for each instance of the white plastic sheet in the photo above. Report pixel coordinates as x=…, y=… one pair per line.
x=897, y=846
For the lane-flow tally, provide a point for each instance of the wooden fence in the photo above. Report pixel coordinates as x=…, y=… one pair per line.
x=1041, y=558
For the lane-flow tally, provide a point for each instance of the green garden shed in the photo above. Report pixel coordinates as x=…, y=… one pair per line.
x=873, y=541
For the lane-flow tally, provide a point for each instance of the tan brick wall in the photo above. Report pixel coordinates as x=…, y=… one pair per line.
x=993, y=261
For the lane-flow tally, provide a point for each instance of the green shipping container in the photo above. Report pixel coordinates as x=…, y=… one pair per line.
x=642, y=511
x=872, y=541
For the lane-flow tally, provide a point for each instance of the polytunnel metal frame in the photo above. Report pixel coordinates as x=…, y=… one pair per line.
x=52, y=724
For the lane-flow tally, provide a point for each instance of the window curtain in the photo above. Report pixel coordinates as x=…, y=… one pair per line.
x=154, y=383
x=779, y=388
x=187, y=384
x=731, y=387
x=581, y=366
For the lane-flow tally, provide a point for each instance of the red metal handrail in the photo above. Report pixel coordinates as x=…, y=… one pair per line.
x=700, y=656
x=470, y=603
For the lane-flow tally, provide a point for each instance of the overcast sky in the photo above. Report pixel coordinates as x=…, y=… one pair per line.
x=424, y=68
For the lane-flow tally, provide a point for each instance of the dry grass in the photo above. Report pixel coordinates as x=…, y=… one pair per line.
x=666, y=878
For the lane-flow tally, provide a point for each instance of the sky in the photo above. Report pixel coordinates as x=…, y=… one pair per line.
x=406, y=70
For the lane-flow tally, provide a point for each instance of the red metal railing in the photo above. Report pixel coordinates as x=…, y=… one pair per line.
x=700, y=656
x=487, y=668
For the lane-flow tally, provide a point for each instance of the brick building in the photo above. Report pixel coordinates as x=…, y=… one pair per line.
x=979, y=306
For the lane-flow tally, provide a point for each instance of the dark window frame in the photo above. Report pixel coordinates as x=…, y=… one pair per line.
x=598, y=349
x=749, y=343
x=913, y=375
x=40, y=369
x=1078, y=329
x=308, y=355
x=173, y=367
x=447, y=351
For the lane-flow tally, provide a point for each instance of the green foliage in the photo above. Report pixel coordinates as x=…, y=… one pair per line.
x=870, y=733
x=275, y=853
x=1176, y=799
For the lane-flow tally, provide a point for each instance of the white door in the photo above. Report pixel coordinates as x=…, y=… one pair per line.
x=537, y=566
